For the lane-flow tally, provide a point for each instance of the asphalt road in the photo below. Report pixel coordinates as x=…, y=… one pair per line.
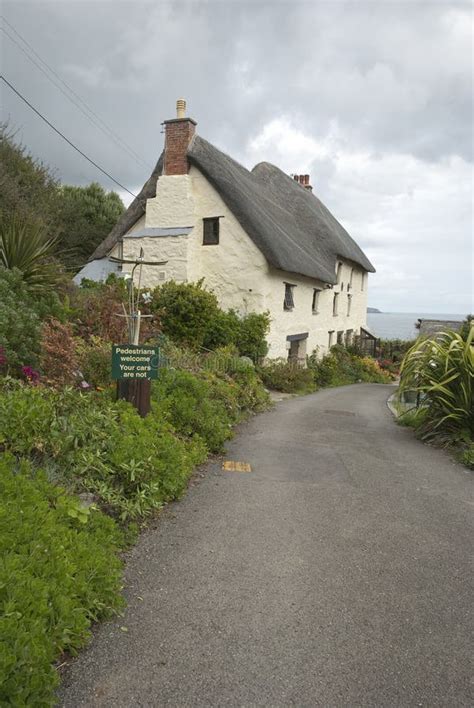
x=336, y=573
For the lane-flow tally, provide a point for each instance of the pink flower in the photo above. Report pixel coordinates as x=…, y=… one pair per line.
x=30, y=374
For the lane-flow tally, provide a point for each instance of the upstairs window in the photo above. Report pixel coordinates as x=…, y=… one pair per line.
x=362, y=281
x=351, y=279
x=335, y=304
x=315, y=303
x=349, y=304
x=210, y=232
x=289, y=301
x=339, y=272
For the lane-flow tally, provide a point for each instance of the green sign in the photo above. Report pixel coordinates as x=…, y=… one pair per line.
x=135, y=361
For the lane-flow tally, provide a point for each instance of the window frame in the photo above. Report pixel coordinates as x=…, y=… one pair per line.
x=289, y=302
x=335, y=305
x=210, y=220
x=315, y=303
x=349, y=305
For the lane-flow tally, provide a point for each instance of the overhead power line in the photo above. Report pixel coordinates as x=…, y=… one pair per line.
x=107, y=174
x=74, y=98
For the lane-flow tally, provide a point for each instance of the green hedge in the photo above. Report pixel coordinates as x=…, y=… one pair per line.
x=59, y=572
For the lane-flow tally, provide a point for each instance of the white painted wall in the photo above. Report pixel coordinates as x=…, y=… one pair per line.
x=236, y=270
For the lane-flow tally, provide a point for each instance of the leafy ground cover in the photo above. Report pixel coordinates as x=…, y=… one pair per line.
x=59, y=572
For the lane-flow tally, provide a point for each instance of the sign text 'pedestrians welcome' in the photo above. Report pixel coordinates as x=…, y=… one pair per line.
x=135, y=361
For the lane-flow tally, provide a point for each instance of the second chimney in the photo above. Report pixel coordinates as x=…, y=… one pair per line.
x=178, y=134
x=304, y=181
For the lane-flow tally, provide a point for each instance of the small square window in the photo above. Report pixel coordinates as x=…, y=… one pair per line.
x=315, y=303
x=210, y=231
x=289, y=302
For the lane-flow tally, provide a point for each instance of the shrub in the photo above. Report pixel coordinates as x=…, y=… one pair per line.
x=191, y=317
x=340, y=367
x=27, y=246
x=21, y=313
x=251, y=335
x=59, y=573
x=287, y=376
x=442, y=371
x=94, y=309
x=195, y=406
x=94, y=360
x=186, y=312
x=58, y=360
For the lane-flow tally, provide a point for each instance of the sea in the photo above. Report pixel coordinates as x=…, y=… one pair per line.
x=401, y=325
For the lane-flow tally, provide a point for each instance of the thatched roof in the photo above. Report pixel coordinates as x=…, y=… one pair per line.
x=290, y=225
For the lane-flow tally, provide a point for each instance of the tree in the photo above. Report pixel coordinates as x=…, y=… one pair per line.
x=28, y=189
x=81, y=216
x=87, y=214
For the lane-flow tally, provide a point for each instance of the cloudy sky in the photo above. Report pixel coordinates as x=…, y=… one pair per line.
x=373, y=99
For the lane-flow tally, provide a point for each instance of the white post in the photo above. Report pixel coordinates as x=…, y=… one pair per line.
x=136, y=328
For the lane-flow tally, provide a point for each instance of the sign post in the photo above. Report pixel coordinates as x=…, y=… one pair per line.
x=135, y=364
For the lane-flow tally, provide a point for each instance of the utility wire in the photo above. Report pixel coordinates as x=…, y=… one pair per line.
x=64, y=137
x=79, y=103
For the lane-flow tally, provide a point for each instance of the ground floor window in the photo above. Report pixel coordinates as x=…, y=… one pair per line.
x=330, y=338
x=340, y=337
x=297, y=347
x=349, y=337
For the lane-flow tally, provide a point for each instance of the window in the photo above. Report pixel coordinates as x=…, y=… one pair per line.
x=362, y=281
x=289, y=302
x=351, y=278
x=335, y=304
x=339, y=272
x=340, y=337
x=315, y=304
x=349, y=337
x=349, y=304
x=331, y=338
x=210, y=231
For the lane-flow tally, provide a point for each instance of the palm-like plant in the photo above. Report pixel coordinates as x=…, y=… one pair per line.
x=27, y=246
x=442, y=370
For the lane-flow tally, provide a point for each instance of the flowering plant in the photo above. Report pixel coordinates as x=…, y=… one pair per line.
x=30, y=374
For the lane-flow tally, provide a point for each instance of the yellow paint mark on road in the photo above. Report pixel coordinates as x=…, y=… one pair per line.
x=232, y=466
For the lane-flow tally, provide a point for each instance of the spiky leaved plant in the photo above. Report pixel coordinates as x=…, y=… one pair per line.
x=26, y=245
x=441, y=369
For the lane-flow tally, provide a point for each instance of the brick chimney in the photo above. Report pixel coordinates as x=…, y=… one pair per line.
x=178, y=134
x=304, y=181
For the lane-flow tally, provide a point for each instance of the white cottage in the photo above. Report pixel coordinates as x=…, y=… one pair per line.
x=260, y=239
